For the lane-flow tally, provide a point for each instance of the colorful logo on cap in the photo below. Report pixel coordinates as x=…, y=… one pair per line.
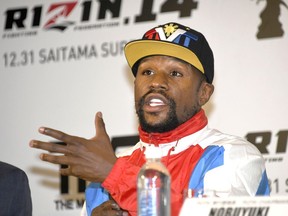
x=171, y=33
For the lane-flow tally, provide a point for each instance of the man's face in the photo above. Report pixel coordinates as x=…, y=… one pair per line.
x=166, y=93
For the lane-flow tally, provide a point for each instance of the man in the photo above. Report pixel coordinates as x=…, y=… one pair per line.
x=15, y=197
x=173, y=67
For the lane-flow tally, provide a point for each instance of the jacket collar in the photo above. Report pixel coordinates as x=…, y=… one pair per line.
x=194, y=124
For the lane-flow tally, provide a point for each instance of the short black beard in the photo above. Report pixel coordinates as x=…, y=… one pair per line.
x=169, y=124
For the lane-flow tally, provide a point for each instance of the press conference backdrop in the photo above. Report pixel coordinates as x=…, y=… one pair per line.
x=62, y=61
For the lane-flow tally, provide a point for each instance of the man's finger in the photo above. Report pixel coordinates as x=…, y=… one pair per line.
x=55, y=159
x=109, y=212
x=59, y=135
x=51, y=147
x=108, y=208
x=100, y=125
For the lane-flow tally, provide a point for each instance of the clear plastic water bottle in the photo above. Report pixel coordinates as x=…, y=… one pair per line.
x=153, y=185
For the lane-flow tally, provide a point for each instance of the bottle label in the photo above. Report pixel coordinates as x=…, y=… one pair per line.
x=149, y=202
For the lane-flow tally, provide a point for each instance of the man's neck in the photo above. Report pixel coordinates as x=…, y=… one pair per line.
x=194, y=124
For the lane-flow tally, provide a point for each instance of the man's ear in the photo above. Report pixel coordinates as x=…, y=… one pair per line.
x=205, y=92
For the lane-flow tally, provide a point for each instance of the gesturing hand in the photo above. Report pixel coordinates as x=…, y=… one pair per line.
x=89, y=159
x=109, y=208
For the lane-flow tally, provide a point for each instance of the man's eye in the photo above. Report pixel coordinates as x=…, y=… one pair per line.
x=147, y=72
x=176, y=74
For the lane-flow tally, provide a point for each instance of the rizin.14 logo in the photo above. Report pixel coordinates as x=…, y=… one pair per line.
x=88, y=14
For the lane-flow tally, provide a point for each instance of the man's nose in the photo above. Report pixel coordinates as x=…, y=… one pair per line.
x=159, y=81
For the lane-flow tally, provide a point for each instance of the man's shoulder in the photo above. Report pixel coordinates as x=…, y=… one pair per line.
x=8, y=171
x=128, y=150
x=238, y=152
x=228, y=141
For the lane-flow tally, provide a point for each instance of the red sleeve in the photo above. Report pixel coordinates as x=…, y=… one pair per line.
x=122, y=181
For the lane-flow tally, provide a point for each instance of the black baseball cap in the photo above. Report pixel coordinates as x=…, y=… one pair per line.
x=175, y=40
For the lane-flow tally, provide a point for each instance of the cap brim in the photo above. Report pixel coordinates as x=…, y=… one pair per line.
x=138, y=49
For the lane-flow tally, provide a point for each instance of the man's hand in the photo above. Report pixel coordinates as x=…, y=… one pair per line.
x=109, y=208
x=90, y=160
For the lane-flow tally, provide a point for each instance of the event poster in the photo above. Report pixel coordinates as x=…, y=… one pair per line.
x=62, y=61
